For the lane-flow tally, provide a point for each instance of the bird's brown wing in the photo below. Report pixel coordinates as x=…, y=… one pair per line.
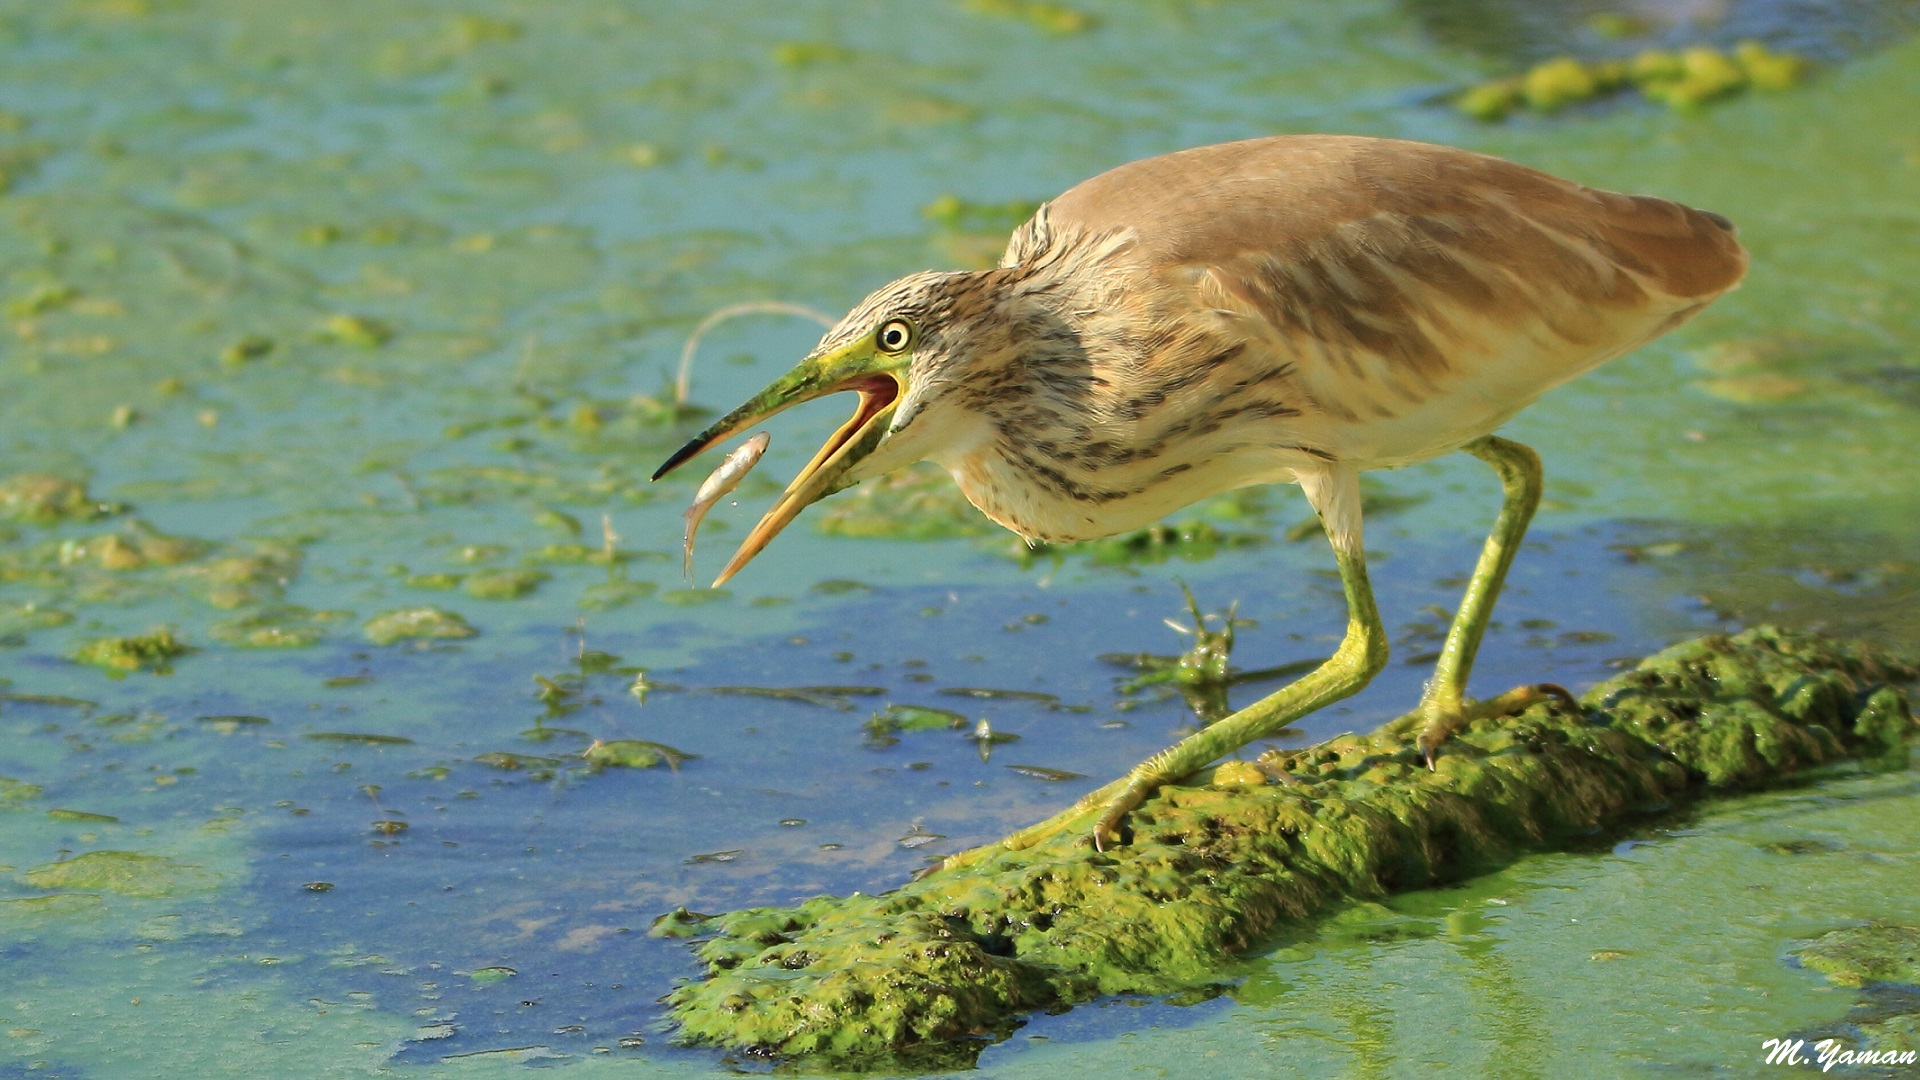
x=1409, y=258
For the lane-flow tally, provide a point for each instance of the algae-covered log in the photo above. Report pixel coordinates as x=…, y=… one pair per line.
x=925, y=970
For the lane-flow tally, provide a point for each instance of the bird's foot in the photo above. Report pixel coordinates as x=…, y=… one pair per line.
x=1443, y=721
x=1101, y=811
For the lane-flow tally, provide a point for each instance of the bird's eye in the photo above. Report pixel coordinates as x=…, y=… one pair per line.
x=894, y=336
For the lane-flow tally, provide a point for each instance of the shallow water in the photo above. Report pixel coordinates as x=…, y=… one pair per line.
x=379, y=303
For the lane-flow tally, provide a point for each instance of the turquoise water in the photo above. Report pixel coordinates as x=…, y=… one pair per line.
x=369, y=309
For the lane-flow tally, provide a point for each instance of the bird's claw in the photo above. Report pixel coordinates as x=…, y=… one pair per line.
x=1437, y=731
x=1443, y=723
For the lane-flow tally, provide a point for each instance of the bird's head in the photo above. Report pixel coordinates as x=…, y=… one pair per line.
x=897, y=350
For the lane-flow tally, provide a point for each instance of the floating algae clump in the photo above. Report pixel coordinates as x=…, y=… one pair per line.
x=419, y=623
x=47, y=500
x=1209, y=871
x=913, y=504
x=634, y=754
x=505, y=584
x=118, y=655
x=278, y=627
x=1684, y=80
x=125, y=872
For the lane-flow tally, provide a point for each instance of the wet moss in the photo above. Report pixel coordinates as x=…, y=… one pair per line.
x=421, y=623
x=117, y=656
x=1213, y=870
x=1858, y=955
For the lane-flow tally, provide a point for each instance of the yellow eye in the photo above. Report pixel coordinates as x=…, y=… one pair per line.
x=894, y=336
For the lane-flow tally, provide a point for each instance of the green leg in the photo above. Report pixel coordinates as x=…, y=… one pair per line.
x=1362, y=653
x=1444, y=708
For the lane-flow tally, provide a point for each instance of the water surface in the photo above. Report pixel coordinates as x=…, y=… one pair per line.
x=375, y=306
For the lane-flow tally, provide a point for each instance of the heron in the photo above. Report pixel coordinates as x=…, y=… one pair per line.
x=1297, y=309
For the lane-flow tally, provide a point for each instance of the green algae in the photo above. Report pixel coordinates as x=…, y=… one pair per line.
x=1883, y=959
x=1202, y=674
x=1191, y=540
x=132, y=550
x=1052, y=18
x=48, y=699
x=56, y=907
x=138, y=561
x=1857, y=955
x=117, y=656
x=31, y=616
x=42, y=499
x=505, y=584
x=1685, y=80
x=634, y=754
x=569, y=554
x=918, y=503
x=356, y=330
x=417, y=624
x=1211, y=871
x=357, y=738
x=125, y=873
x=276, y=627
x=953, y=212
x=916, y=718
x=82, y=817
x=883, y=728
x=540, y=768
x=242, y=578
x=14, y=792
x=922, y=503
x=470, y=149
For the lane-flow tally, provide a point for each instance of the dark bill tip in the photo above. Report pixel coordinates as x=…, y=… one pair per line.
x=686, y=453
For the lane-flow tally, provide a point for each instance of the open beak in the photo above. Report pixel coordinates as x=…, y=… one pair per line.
x=879, y=380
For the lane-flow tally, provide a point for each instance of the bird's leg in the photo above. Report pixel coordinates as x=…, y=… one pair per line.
x=1362, y=653
x=1444, y=708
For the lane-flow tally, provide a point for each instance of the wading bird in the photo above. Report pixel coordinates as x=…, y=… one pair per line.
x=1295, y=309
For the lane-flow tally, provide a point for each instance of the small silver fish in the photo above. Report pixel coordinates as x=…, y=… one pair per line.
x=718, y=485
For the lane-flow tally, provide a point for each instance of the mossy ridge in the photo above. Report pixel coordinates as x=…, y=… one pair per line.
x=1215, y=870
x=1858, y=955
